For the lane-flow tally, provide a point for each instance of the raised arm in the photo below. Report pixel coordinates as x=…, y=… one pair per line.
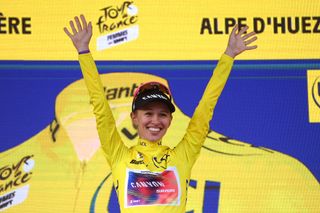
x=199, y=124
x=110, y=140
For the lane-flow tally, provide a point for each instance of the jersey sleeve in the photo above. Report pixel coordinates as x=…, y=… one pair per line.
x=110, y=140
x=189, y=147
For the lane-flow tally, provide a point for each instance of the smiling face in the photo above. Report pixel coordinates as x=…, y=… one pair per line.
x=152, y=121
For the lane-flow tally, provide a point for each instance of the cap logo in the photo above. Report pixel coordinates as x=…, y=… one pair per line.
x=154, y=96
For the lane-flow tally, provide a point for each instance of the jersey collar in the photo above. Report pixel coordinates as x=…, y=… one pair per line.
x=151, y=144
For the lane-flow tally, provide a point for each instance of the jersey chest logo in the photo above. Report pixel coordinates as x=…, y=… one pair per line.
x=161, y=162
x=145, y=188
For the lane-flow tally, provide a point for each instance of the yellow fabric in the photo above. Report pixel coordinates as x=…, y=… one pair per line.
x=182, y=157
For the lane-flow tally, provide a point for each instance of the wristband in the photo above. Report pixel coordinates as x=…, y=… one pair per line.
x=84, y=51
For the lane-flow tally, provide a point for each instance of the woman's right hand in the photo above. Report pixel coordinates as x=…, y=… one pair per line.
x=81, y=35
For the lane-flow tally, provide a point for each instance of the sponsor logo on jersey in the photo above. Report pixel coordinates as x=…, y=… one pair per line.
x=145, y=188
x=161, y=162
x=133, y=161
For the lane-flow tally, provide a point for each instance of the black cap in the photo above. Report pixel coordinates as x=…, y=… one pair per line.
x=149, y=96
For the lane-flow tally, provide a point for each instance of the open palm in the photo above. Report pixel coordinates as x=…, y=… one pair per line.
x=81, y=35
x=238, y=42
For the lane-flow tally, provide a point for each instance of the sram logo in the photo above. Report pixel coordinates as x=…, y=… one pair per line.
x=314, y=95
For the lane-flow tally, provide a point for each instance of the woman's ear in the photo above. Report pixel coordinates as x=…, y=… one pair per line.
x=133, y=116
x=171, y=118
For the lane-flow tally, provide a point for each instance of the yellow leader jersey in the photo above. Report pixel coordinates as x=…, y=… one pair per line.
x=62, y=168
x=150, y=176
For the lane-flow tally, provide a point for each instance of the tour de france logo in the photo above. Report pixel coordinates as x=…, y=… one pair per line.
x=14, y=182
x=117, y=25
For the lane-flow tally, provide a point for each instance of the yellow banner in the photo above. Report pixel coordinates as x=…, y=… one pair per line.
x=161, y=30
